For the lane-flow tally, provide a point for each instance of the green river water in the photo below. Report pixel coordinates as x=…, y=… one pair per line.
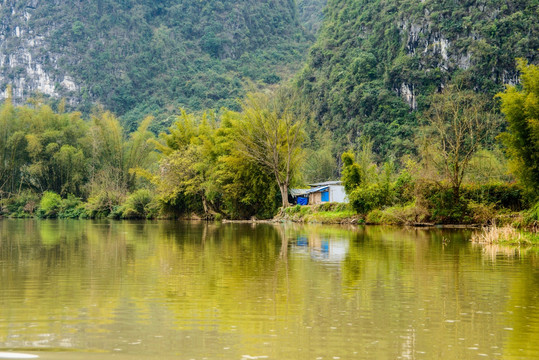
x=177, y=290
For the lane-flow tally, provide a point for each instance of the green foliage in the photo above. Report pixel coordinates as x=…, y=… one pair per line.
x=501, y=195
x=203, y=170
x=71, y=208
x=270, y=133
x=22, y=205
x=43, y=150
x=351, y=172
x=50, y=204
x=320, y=161
x=322, y=213
x=140, y=205
x=406, y=214
x=444, y=207
x=366, y=198
x=404, y=187
x=376, y=62
x=457, y=124
x=521, y=110
x=531, y=217
x=102, y=203
x=151, y=57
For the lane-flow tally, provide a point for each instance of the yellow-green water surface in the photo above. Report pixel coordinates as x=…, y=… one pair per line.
x=171, y=290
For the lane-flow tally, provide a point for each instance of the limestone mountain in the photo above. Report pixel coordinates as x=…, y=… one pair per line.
x=375, y=62
x=142, y=56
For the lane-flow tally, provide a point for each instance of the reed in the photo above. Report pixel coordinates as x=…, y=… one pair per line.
x=504, y=235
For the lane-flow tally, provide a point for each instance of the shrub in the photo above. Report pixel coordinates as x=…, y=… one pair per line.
x=502, y=195
x=375, y=217
x=292, y=209
x=103, y=203
x=408, y=214
x=365, y=199
x=481, y=213
x=50, y=205
x=531, y=217
x=71, y=208
x=140, y=205
x=440, y=201
x=22, y=205
x=404, y=188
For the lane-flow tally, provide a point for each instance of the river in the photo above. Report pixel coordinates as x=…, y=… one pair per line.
x=74, y=289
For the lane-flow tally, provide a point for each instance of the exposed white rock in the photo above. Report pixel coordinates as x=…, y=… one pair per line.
x=464, y=61
x=408, y=94
x=510, y=78
x=69, y=83
x=21, y=57
x=444, y=44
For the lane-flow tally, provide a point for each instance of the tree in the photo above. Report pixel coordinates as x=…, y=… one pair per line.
x=457, y=123
x=351, y=172
x=521, y=110
x=188, y=163
x=247, y=188
x=114, y=156
x=271, y=133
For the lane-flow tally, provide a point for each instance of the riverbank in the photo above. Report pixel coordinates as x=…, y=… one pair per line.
x=409, y=215
x=502, y=228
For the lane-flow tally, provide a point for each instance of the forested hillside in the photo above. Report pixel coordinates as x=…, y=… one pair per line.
x=375, y=62
x=141, y=56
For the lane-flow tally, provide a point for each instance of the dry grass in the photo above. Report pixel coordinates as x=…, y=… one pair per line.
x=504, y=235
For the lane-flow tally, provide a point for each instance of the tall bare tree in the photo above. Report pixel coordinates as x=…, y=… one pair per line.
x=457, y=123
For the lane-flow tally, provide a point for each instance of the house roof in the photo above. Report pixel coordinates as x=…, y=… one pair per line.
x=302, y=192
x=327, y=183
x=298, y=192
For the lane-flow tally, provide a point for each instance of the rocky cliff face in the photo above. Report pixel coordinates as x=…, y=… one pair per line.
x=141, y=56
x=25, y=60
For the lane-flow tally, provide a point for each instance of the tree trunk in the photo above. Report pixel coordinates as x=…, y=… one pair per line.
x=284, y=195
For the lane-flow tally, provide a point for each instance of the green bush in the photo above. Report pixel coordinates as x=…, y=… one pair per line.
x=50, y=205
x=408, y=214
x=140, y=205
x=440, y=201
x=20, y=206
x=71, y=208
x=403, y=189
x=502, y=195
x=102, y=204
x=481, y=213
x=531, y=217
x=375, y=217
x=292, y=209
x=365, y=199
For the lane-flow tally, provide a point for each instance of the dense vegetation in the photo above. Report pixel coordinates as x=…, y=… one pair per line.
x=456, y=177
x=397, y=99
x=241, y=164
x=375, y=61
x=151, y=57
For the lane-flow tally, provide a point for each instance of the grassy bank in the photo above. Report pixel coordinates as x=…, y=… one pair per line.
x=329, y=213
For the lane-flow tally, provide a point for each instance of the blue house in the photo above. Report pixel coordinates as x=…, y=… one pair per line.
x=319, y=193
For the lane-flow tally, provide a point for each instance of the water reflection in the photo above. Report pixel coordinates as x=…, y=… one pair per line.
x=195, y=290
